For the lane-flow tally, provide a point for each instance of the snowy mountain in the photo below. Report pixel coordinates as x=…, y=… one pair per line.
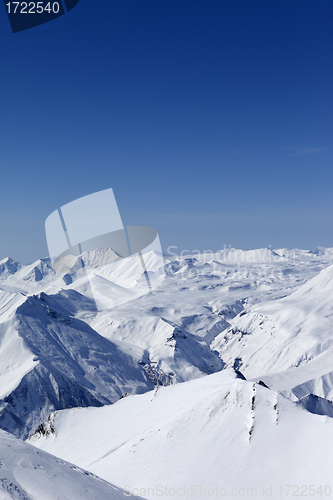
x=80, y=341
x=218, y=432
x=29, y=474
x=51, y=360
x=288, y=342
x=8, y=267
x=30, y=279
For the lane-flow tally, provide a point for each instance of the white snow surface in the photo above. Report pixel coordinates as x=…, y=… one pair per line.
x=218, y=431
x=50, y=360
x=57, y=351
x=267, y=313
x=29, y=474
x=287, y=342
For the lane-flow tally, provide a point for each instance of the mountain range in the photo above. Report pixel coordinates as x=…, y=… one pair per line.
x=219, y=377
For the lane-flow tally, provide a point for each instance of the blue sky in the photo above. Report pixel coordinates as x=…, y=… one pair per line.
x=210, y=119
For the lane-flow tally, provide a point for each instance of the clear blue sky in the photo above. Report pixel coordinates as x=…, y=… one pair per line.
x=212, y=120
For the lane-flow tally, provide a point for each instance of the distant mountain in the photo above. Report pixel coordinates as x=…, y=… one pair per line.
x=168, y=353
x=50, y=360
x=88, y=348
x=8, y=267
x=288, y=342
x=261, y=255
x=32, y=278
x=93, y=259
x=58, y=351
x=315, y=254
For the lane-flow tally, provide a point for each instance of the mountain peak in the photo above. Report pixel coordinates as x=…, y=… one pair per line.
x=9, y=266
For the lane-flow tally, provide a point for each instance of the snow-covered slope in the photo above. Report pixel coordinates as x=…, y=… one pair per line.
x=294, y=333
x=32, y=278
x=218, y=431
x=319, y=253
x=57, y=351
x=50, y=360
x=32, y=273
x=29, y=474
x=268, y=313
x=168, y=353
x=8, y=267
